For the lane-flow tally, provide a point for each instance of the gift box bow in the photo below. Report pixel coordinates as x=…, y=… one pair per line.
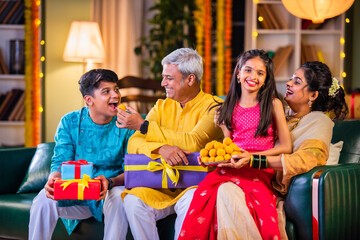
x=168, y=171
x=82, y=184
x=78, y=162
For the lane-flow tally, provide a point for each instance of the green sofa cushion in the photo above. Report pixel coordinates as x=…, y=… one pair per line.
x=349, y=132
x=39, y=169
x=13, y=165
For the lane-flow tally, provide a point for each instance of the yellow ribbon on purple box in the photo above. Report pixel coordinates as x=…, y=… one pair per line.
x=168, y=171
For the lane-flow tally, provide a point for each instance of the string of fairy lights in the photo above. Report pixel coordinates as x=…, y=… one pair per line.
x=33, y=73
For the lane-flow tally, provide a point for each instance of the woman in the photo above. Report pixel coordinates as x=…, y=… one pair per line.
x=310, y=93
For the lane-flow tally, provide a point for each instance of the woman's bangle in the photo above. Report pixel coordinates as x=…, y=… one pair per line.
x=258, y=161
x=251, y=160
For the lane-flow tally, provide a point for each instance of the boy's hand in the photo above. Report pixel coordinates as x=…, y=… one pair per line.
x=49, y=186
x=104, y=186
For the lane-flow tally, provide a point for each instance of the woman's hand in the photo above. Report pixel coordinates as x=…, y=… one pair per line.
x=238, y=161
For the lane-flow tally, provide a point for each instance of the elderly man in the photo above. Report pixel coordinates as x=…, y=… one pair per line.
x=174, y=127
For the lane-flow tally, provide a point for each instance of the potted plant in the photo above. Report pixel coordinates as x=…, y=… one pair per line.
x=171, y=28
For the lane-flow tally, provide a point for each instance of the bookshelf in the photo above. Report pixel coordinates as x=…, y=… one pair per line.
x=11, y=27
x=307, y=39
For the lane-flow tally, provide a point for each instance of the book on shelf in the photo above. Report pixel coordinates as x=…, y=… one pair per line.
x=18, y=16
x=11, y=12
x=5, y=102
x=265, y=23
x=17, y=107
x=320, y=56
x=3, y=5
x=2, y=97
x=20, y=115
x=271, y=16
x=311, y=52
x=6, y=10
x=271, y=20
x=3, y=68
x=11, y=103
x=278, y=18
x=281, y=55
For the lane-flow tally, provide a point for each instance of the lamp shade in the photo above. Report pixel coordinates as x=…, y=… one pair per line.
x=84, y=43
x=317, y=10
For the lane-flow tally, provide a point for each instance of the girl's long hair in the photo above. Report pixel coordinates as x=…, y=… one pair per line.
x=265, y=95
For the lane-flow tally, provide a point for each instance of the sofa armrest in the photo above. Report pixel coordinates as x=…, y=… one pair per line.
x=14, y=163
x=298, y=202
x=338, y=202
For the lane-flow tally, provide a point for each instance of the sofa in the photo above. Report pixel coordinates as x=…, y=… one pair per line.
x=24, y=171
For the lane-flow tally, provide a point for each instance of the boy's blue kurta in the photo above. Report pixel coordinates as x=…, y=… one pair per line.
x=78, y=137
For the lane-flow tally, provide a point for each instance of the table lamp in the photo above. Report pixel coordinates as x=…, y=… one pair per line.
x=84, y=43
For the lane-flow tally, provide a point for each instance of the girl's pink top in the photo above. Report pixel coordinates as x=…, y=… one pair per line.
x=245, y=123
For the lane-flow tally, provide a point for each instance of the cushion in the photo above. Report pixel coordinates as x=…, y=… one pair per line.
x=334, y=153
x=39, y=169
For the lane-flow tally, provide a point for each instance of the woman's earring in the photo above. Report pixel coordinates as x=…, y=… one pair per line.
x=310, y=103
x=238, y=80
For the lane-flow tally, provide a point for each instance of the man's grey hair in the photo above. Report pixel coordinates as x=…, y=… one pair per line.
x=188, y=61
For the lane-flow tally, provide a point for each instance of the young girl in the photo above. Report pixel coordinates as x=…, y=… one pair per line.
x=252, y=116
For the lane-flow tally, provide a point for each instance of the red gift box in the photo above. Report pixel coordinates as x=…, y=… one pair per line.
x=77, y=189
x=353, y=102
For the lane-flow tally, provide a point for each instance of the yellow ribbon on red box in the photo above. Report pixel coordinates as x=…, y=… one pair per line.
x=82, y=184
x=168, y=171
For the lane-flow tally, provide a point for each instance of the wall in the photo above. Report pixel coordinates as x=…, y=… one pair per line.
x=356, y=46
x=60, y=82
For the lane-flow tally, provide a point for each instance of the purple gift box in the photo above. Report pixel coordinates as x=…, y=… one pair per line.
x=142, y=171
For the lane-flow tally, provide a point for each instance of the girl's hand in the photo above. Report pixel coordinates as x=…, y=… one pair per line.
x=200, y=162
x=238, y=161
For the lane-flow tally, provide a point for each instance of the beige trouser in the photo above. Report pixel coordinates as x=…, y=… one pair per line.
x=234, y=219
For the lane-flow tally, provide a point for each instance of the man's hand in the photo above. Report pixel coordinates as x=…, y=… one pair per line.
x=174, y=155
x=216, y=115
x=132, y=120
x=104, y=186
x=49, y=186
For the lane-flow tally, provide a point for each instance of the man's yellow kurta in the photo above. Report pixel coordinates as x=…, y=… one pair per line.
x=188, y=128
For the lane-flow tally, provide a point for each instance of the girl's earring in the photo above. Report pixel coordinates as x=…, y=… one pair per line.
x=238, y=80
x=310, y=103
